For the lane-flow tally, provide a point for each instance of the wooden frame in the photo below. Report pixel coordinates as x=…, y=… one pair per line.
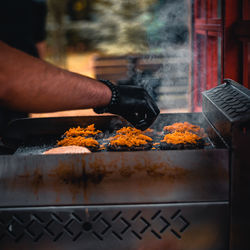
x=207, y=44
x=221, y=45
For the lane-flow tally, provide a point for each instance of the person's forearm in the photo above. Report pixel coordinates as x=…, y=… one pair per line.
x=32, y=85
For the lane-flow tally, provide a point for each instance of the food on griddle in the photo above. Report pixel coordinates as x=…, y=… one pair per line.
x=185, y=126
x=129, y=139
x=90, y=143
x=129, y=131
x=181, y=140
x=130, y=143
x=85, y=137
x=89, y=131
x=68, y=150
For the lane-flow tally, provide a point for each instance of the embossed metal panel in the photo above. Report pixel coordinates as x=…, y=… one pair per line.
x=225, y=106
x=233, y=102
x=187, y=226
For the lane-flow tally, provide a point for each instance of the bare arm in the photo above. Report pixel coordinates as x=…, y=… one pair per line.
x=32, y=85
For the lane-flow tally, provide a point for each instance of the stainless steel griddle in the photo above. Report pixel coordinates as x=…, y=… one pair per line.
x=173, y=199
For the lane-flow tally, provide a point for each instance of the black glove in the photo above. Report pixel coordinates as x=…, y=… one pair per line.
x=132, y=103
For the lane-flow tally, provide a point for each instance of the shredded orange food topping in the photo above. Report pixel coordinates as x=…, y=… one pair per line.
x=128, y=136
x=130, y=130
x=77, y=137
x=179, y=137
x=185, y=126
x=78, y=141
x=88, y=131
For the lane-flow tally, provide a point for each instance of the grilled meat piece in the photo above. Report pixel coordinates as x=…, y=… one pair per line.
x=89, y=143
x=89, y=131
x=170, y=146
x=142, y=147
x=129, y=139
x=181, y=140
x=185, y=126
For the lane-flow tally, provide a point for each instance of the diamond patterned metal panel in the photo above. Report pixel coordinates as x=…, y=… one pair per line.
x=99, y=226
x=122, y=226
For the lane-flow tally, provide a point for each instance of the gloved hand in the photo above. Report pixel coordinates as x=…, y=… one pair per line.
x=132, y=103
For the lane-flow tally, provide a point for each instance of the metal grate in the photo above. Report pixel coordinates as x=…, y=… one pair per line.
x=57, y=225
x=135, y=227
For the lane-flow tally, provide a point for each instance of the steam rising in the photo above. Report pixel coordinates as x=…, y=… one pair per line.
x=171, y=39
x=140, y=27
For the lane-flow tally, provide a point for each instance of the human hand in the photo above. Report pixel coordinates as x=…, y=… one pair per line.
x=132, y=103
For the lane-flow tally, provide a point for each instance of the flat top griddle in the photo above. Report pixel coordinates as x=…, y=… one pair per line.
x=34, y=136
x=108, y=177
